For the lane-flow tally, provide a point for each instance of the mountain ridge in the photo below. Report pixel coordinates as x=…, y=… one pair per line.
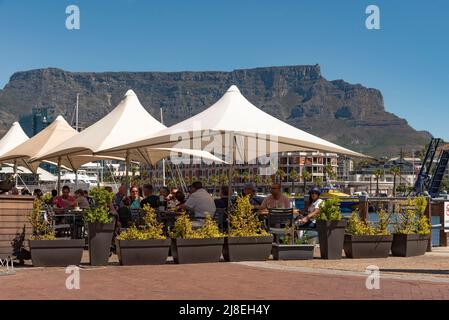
x=348, y=114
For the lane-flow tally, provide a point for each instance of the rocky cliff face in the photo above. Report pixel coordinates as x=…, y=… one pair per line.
x=350, y=115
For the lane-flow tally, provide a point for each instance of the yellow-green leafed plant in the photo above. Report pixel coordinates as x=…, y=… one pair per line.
x=47, y=197
x=41, y=228
x=243, y=222
x=330, y=210
x=358, y=227
x=412, y=218
x=183, y=228
x=151, y=230
x=382, y=224
x=99, y=213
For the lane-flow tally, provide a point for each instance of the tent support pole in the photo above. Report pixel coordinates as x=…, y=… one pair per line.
x=15, y=172
x=231, y=169
x=127, y=172
x=59, y=176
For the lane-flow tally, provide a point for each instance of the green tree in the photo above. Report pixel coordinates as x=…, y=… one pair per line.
x=378, y=173
x=318, y=181
x=294, y=177
x=214, y=179
x=330, y=172
x=281, y=175
x=395, y=171
x=257, y=180
x=306, y=176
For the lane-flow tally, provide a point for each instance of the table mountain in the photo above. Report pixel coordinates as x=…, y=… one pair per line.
x=347, y=114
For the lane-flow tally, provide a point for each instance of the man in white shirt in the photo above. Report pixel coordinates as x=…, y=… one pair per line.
x=200, y=201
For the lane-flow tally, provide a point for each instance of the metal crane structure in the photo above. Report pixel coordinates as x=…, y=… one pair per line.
x=432, y=172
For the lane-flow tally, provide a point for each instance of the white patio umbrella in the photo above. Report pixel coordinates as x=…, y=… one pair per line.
x=233, y=126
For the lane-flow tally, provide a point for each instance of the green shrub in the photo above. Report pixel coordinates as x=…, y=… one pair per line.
x=330, y=210
x=412, y=218
x=99, y=213
x=151, y=230
x=358, y=227
x=183, y=228
x=41, y=228
x=243, y=222
x=290, y=238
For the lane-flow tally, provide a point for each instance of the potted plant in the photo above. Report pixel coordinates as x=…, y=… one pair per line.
x=144, y=245
x=291, y=247
x=363, y=240
x=247, y=240
x=46, y=249
x=196, y=246
x=412, y=230
x=100, y=227
x=331, y=229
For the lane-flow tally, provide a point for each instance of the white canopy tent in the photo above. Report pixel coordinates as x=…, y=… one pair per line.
x=14, y=137
x=128, y=122
x=258, y=132
x=234, y=127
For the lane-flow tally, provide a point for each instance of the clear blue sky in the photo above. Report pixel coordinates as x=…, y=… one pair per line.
x=408, y=59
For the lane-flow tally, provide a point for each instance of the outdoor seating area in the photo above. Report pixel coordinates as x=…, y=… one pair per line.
x=146, y=226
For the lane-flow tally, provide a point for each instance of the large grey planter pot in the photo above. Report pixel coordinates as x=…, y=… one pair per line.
x=367, y=246
x=331, y=235
x=292, y=251
x=100, y=239
x=409, y=245
x=56, y=253
x=197, y=250
x=247, y=248
x=142, y=252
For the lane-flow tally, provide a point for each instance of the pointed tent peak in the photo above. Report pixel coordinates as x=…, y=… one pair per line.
x=233, y=88
x=60, y=118
x=130, y=93
x=15, y=123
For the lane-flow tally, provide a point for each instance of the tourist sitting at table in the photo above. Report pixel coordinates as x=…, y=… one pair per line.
x=181, y=200
x=90, y=199
x=276, y=199
x=163, y=191
x=81, y=200
x=222, y=202
x=65, y=201
x=134, y=198
x=54, y=194
x=200, y=201
x=15, y=191
x=119, y=196
x=149, y=197
x=307, y=220
x=38, y=193
x=250, y=190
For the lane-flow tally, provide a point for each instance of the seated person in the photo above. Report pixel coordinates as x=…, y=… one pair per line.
x=250, y=190
x=81, y=200
x=222, y=202
x=200, y=201
x=134, y=198
x=65, y=201
x=180, y=198
x=307, y=220
x=276, y=200
x=149, y=197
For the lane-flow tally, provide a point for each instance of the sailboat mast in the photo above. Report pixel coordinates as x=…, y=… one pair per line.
x=163, y=160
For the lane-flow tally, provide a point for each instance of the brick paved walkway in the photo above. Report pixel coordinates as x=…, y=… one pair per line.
x=207, y=281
